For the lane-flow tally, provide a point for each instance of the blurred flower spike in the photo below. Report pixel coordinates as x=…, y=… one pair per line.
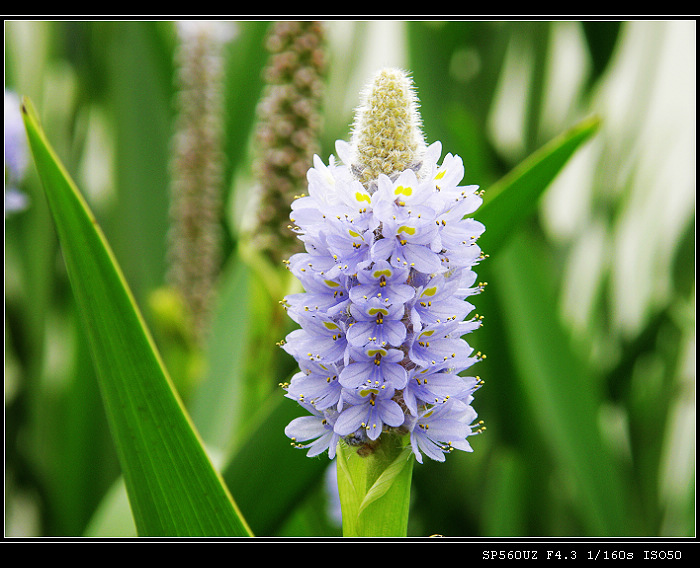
x=194, y=238
x=388, y=270
x=288, y=129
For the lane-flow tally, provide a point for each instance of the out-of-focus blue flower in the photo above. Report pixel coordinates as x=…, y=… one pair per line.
x=16, y=154
x=387, y=272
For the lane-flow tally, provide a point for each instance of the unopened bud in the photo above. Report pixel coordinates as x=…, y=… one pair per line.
x=387, y=136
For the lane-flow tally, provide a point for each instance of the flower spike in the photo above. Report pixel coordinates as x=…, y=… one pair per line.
x=390, y=252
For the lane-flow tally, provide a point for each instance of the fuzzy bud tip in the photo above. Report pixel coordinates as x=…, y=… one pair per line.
x=387, y=136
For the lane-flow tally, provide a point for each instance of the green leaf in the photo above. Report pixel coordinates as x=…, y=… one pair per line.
x=172, y=486
x=375, y=487
x=269, y=477
x=217, y=406
x=563, y=392
x=385, y=481
x=601, y=40
x=514, y=197
x=505, y=509
x=139, y=79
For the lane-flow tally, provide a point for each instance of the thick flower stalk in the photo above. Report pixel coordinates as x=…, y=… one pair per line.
x=388, y=274
x=289, y=123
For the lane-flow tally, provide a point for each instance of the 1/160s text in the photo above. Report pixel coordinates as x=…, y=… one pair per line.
x=599, y=554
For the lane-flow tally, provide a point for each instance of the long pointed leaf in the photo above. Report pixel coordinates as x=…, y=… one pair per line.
x=561, y=388
x=172, y=486
x=270, y=478
x=510, y=200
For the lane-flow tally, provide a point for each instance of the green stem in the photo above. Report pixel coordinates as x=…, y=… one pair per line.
x=375, y=487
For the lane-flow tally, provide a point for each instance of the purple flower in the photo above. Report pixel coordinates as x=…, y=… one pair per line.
x=383, y=281
x=440, y=346
x=387, y=273
x=426, y=388
x=440, y=429
x=316, y=384
x=368, y=410
x=374, y=367
x=320, y=337
x=387, y=277
x=440, y=300
x=314, y=432
x=377, y=323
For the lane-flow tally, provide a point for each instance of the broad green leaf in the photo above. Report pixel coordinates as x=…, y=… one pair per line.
x=375, y=488
x=514, y=197
x=561, y=390
x=173, y=488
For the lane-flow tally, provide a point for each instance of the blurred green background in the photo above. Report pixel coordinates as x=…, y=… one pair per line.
x=589, y=396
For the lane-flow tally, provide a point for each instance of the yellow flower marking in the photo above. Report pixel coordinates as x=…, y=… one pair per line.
x=374, y=352
x=362, y=197
x=429, y=291
x=365, y=392
x=380, y=273
x=374, y=311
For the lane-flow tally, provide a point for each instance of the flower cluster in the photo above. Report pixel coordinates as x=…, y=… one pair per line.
x=387, y=273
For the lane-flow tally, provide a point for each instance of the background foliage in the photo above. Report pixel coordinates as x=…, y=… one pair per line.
x=589, y=399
